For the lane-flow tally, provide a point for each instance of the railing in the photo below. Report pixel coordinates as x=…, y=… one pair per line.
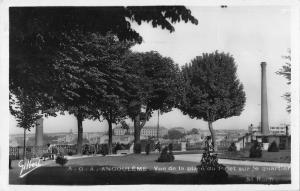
x=195, y=146
x=16, y=153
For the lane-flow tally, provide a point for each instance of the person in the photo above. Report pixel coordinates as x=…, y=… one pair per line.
x=97, y=148
x=10, y=162
x=47, y=154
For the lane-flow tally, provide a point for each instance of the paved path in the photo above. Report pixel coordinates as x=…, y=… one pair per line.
x=197, y=158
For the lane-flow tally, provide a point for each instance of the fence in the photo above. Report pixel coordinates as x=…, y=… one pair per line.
x=16, y=153
x=195, y=146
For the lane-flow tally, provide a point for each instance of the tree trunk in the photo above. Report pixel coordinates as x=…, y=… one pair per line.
x=213, y=136
x=109, y=137
x=80, y=131
x=137, y=132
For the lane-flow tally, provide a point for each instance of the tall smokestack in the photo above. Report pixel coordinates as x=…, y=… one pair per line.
x=39, y=132
x=264, y=101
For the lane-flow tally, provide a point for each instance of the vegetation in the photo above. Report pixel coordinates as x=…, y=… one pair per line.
x=273, y=147
x=154, y=84
x=285, y=71
x=147, y=148
x=193, y=131
x=56, y=55
x=174, y=134
x=61, y=160
x=255, y=150
x=166, y=155
x=212, y=89
x=209, y=169
x=232, y=147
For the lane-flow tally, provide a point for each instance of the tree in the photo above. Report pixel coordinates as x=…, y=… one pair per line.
x=91, y=77
x=26, y=111
x=36, y=35
x=285, y=71
x=174, y=134
x=153, y=84
x=110, y=105
x=193, y=131
x=46, y=68
x=212, y=89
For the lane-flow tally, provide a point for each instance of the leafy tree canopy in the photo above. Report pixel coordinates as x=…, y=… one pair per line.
x=193, y=131
x=212, y=89
x=89, y=71
x=46, y=22
x=39, y=34
x=174, y=134
x=155, y=82
x=285, y=71
x=24, y=109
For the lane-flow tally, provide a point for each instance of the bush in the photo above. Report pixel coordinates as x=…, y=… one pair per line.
x=273, y=147
x=232, y=147
x=166, y=156
x=147, y=148
x=137, y=148
x=104, y=149
x=116, y=148
x=170, y=147
x=85, y=149
x=60, y=159
x=210, y=170
x=70, y=153
x=255, y=150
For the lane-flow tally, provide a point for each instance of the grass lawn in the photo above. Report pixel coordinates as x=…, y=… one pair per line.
x=283, y=156
x=142, y=169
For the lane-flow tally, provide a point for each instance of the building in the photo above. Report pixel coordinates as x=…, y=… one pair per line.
x=123, y=139
x=152, y=131
x=280, y=130
x=120, y=131
x=283, y=129
x=147, y=131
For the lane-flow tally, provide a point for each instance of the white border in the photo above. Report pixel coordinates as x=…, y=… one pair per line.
x=294, y=87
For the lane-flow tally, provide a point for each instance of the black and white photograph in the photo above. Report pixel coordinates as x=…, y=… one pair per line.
x=170, y=94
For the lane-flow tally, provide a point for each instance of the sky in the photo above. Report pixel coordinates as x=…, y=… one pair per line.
x=251, y=34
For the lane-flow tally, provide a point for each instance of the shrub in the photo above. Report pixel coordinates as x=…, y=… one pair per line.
x=60, y=159
x=166, y=156
x=117, y=147
x=104, y=149
x=85, y=150
x=170, y=147
x=70, y=153
x=210, y=170
x=147, y=148
x=273, y=147
x=232, y=147
x=137, y=148
x=255, y=150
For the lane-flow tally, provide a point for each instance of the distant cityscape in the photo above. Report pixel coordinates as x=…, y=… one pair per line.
x=125, y=136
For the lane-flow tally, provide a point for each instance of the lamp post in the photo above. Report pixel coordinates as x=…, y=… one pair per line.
x=24, y=146
x=157, y=124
